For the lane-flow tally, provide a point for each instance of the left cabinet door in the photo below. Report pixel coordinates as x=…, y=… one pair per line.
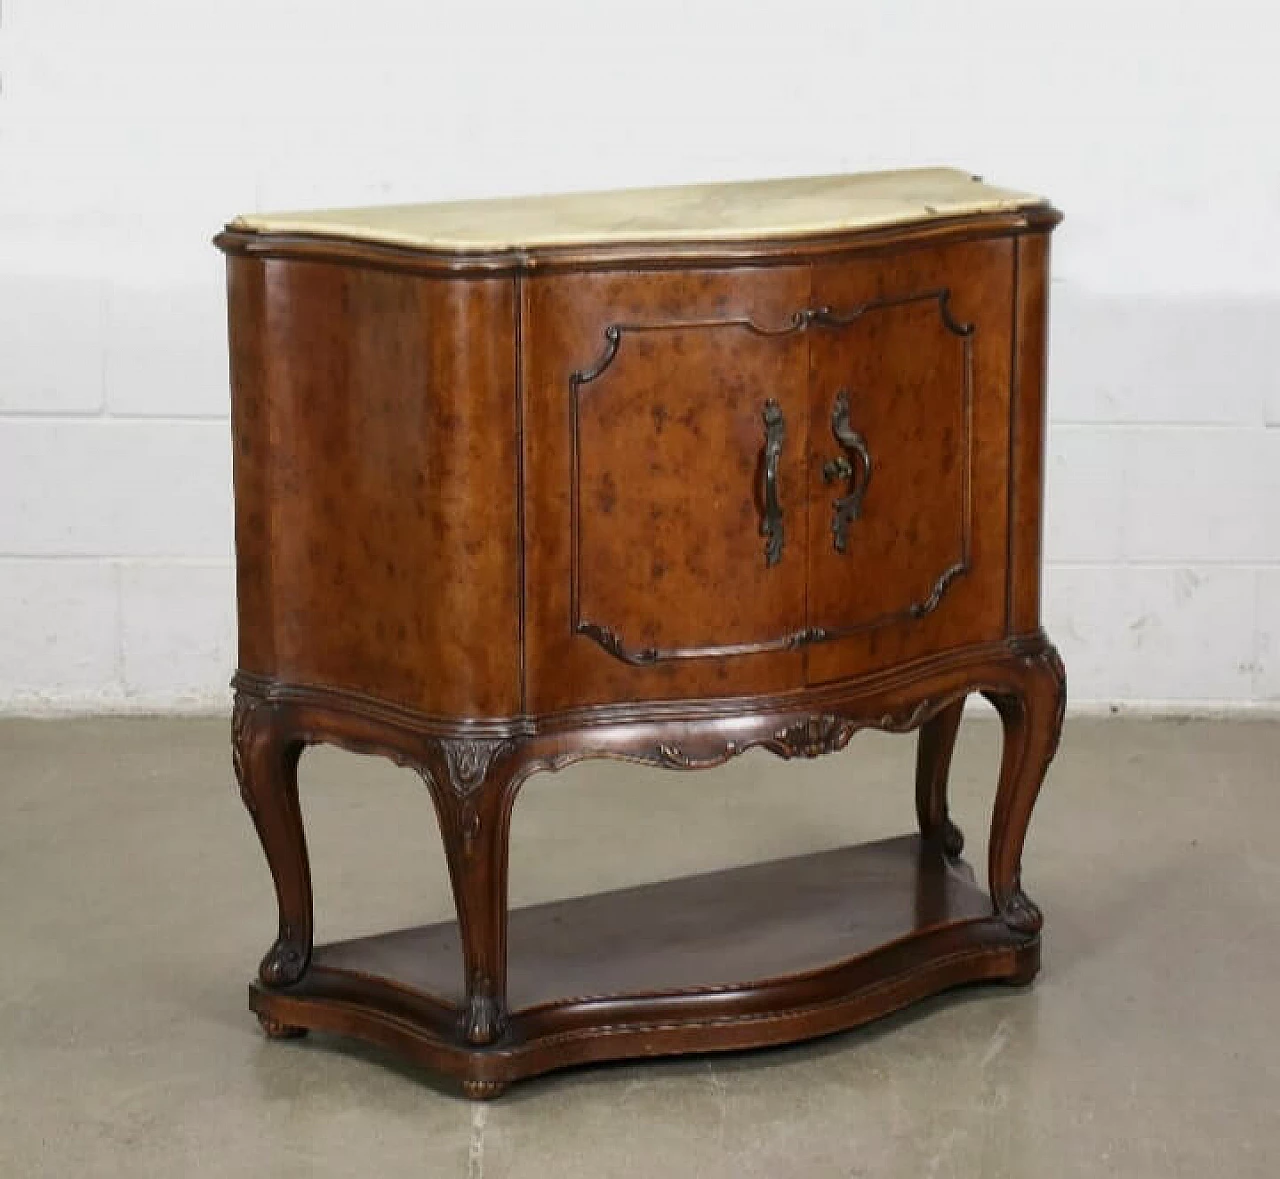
x=665, y=420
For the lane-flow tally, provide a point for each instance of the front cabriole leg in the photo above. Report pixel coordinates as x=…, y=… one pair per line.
x=1031, y=710
x=266, y=765
x=473, y=783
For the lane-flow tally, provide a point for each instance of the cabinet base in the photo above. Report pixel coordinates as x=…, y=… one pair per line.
x=766, y=954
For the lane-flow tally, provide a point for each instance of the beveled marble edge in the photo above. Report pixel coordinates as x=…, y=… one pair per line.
x=742, y=211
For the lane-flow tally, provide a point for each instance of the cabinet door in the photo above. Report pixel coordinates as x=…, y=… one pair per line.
x=909, y=432
x=665, y=420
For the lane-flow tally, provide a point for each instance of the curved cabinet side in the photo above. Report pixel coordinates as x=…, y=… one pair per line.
x=1027, y=432
x=251, y=457
x=375, y=425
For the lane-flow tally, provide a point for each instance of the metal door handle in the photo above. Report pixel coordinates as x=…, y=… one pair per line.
x=849, y=506
x=775, y=430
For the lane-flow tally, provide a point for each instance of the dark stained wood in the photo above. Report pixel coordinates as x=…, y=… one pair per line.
x=1028, y=421
x=716, y=958
x=1032, y=717
x=265, y=757
x=376, y=433
x=498, y=514
x=253, y=462
x=926, y=365
x=658, y=532
x=474, y=781
x=934, y=747
x=725, y=930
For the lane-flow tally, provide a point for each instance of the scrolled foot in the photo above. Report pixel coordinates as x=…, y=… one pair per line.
x=952, y=839
x=273, y=1029
x=1022, y=915
x=484, y=1022
x=483, y=1090
x=284, y=964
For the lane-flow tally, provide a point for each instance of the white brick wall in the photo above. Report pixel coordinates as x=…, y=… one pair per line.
x=1268, y=647
x=129, y=132
x=51, y=343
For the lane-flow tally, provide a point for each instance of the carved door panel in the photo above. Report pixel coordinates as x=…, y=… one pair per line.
x=665, y=421
x=909, y=421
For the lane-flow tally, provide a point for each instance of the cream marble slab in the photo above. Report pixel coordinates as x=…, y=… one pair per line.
x=698, y=212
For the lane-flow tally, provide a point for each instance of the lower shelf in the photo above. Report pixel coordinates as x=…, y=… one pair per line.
x=764, y=954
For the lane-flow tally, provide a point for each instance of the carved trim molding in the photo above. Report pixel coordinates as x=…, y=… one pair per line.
x=613, y=642
x=406, y=736
x=945, y=578
x=1038, y=651
x=674, y=757
x=242, y=709
x=247, y=711
x=812, y=737
x=797, y=321
x=1052, y=659
x=608, y=637
x=827, y=317
x=807, y=736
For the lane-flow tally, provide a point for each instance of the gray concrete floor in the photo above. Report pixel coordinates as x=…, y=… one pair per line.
x=134, y=904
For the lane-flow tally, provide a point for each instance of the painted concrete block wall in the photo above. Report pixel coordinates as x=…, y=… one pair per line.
x=129, y=132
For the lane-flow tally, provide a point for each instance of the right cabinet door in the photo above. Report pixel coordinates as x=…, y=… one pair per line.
x=910, y=399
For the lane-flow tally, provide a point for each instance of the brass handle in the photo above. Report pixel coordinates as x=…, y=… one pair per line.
x=848, y=507
x=775, y=430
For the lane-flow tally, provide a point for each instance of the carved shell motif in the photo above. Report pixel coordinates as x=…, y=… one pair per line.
x=469, y=759
x=812, y=737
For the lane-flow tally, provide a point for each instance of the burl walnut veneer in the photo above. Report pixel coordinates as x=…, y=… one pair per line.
x=661, y=476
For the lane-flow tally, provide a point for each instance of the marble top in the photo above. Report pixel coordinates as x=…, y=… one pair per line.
x=755, y=209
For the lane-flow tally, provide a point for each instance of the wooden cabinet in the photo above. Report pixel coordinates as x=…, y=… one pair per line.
x=917, y=365
x=645, y=401
x=649, y=403
x=661, y=476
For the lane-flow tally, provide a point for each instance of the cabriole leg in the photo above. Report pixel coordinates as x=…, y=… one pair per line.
x=266, y=765
x=475, y=816
x=934, y=747
x=1032, y=716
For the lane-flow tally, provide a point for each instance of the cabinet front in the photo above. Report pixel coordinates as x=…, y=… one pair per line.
x=909, y=419
x=737, y=482
x=665, y=450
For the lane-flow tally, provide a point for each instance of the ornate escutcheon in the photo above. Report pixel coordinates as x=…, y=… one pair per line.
x=848, y=507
